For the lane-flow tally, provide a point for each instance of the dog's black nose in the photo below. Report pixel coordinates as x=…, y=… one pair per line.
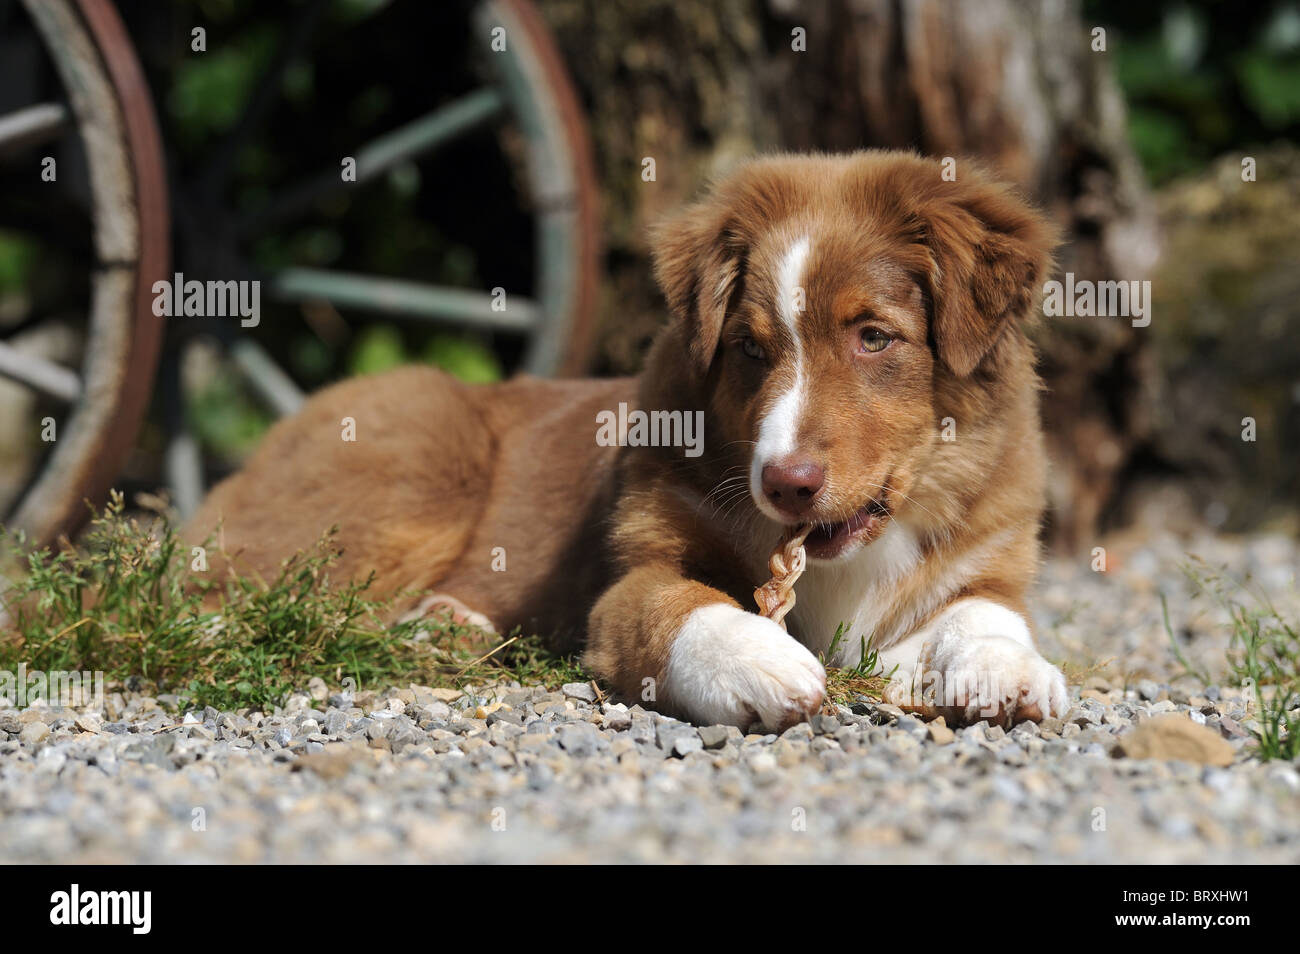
x=792, y=485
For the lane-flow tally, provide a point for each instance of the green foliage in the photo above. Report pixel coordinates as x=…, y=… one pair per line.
x=845, y=685
x=224, y=417
x=465, y=357
x=381, y=347
x=17, y=256
x=209, y=89
x=1202, y=77
x=377, y=348
x=1271, y=87
x=128, y=604
x=1263, y=657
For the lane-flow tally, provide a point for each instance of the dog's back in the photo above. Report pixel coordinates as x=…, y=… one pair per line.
x=409, y=465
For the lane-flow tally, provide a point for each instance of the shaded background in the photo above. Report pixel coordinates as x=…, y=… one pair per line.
x=1136, y=150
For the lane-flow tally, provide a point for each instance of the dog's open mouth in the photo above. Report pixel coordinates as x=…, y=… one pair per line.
x=829, y=540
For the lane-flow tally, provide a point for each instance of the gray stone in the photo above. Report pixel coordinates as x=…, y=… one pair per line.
x=715, y=736
x=1230, y=728
x=1082, y=716
x=579, y=738
x=579, y=690
x=825, y=724
x=669, y=731
x=684, y=744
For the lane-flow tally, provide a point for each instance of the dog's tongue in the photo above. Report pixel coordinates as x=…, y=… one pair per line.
x=866, y=518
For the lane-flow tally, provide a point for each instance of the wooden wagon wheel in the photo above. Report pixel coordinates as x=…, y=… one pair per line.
x=531, y=90
x=110, y=108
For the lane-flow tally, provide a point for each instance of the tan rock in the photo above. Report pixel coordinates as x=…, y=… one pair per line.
x=940, y=734
x=1175, y=737
x=34, y=733
x=89, y=722
x=334, y=763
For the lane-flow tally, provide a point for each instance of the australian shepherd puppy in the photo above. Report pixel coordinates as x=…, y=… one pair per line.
x=850, y=332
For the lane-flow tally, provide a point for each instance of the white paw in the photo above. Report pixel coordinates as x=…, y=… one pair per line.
x=735, y=668
x=980, y=663
x=991, y=677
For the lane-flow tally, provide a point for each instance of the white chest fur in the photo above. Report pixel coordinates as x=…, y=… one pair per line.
x=856, y=591
x=864, y=590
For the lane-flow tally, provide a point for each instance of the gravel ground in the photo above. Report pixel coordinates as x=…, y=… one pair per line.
x=523, y=774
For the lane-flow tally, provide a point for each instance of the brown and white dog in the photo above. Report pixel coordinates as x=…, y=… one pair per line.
x=850, y=330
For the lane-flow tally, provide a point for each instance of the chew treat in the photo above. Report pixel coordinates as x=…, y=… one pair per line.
x=775, y=598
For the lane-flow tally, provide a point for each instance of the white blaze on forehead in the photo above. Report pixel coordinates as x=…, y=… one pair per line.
x=788, y=278
x=779, y=428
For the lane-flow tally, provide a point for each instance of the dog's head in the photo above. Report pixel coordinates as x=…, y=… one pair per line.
x=834, y=309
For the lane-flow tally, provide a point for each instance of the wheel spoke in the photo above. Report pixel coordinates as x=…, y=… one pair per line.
x=39, y=373
x=453, y=305
x=183, y=462
x=31, y=126
x=273, y=386
x=416, y=138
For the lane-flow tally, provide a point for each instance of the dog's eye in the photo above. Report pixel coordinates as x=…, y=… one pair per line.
x=752, y=348
x=874, y=340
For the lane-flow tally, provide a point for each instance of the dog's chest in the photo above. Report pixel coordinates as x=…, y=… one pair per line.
x=859, y=593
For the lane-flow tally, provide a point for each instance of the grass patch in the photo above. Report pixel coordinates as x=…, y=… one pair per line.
x=130, y=603
x=1263, y=656
x=1077, y=674
x=845, y=684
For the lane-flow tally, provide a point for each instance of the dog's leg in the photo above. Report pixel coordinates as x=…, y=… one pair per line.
x=975, y=660
x=684, y=647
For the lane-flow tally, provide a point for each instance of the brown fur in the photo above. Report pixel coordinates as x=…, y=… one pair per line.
x=430, y=488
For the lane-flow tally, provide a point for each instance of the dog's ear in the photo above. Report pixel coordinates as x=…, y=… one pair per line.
x=699, y=262
x=990, y=252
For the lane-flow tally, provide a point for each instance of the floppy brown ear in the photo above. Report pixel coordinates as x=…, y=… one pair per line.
x=699, y=264
x=991, y=252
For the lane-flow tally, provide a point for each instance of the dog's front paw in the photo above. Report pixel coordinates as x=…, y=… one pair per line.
x=966, y=672
x=736, y=668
